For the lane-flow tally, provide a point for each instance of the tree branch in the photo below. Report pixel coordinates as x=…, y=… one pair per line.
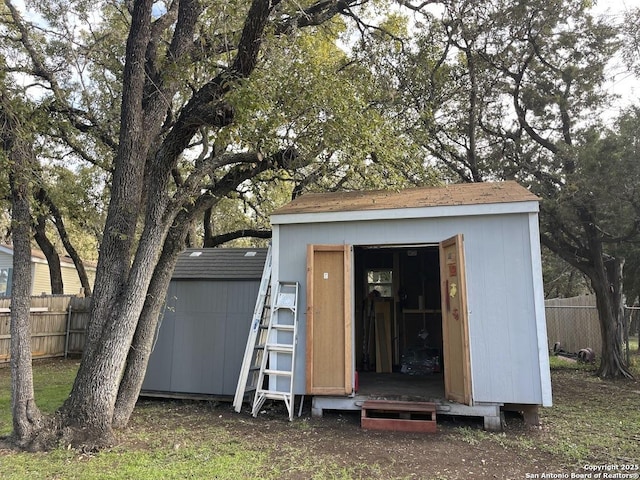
x=217, y=240
x=61, y=104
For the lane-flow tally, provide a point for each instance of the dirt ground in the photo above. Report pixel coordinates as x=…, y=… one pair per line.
x=589, y=416
x=460, y=449
x=448, y=454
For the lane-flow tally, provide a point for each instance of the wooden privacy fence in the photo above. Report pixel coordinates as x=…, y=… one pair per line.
x=58, y=324
x=573, y=322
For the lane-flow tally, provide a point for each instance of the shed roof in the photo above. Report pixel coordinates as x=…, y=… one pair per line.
x=449, y=195
x=220, y=263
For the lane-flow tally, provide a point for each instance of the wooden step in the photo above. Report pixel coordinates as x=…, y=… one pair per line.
x=399, y=416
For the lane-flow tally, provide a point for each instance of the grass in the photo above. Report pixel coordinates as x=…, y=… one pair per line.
x=51, y=387
x=190, y=461
x=592, y=422
x=161, y=442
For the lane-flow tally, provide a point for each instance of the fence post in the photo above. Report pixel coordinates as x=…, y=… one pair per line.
x=66, y=340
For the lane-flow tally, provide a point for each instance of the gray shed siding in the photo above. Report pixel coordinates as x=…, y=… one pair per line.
x=202, y=338
x=504, y=343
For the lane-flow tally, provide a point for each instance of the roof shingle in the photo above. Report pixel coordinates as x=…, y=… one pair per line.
x=220, y=263
x=454, y=194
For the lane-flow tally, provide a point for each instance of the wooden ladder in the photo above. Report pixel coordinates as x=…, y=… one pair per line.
x=254, y=351
x=275, y=381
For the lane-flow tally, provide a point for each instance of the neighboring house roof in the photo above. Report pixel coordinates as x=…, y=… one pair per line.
x=37, y=256
x=449, y=195
x=220, y=263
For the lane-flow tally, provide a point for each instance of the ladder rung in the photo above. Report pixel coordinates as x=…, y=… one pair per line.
x=279, y=348
x=283, y=307
x=282, y=326
x=274, y=394
x=280, y=373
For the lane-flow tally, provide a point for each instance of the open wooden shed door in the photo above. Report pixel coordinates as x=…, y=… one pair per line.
x=455, y=322
x=329, y=331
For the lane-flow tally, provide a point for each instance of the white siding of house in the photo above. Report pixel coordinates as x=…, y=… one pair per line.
x=41, y=284
x=40, y=281
x=70, y=279
x=6, y=260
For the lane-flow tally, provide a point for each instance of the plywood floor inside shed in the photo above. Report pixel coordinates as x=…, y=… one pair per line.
x=399, y=386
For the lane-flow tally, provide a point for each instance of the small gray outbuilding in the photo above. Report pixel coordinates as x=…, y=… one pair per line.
x=202, y=336
x=457, y=277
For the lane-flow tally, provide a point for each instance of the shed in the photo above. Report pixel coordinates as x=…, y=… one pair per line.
x=202, y=334
x=427, y=293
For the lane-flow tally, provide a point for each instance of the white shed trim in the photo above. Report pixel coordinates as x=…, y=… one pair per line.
x=538, y=299
x=405, y=213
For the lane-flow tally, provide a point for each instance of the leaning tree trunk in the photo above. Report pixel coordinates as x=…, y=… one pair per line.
x=118, y=304
x=138, y=357
x=142, y=343
x=89, y=410
x=126, y=187
x=197, y=112
x=27, y=420
x=117, y=300
x=120, y=291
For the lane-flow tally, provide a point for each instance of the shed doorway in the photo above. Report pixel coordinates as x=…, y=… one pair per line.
x=400, y=335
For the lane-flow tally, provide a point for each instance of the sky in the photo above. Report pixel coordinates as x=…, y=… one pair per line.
x=622, y=82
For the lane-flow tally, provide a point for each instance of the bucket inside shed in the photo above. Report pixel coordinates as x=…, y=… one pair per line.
x=398, y=321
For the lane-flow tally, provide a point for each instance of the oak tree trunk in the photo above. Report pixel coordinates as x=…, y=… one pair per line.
x=605, y=274
x=27, y=419
x=116, y=314
x=607, y=285
x=93, y=398
x=117, y=300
